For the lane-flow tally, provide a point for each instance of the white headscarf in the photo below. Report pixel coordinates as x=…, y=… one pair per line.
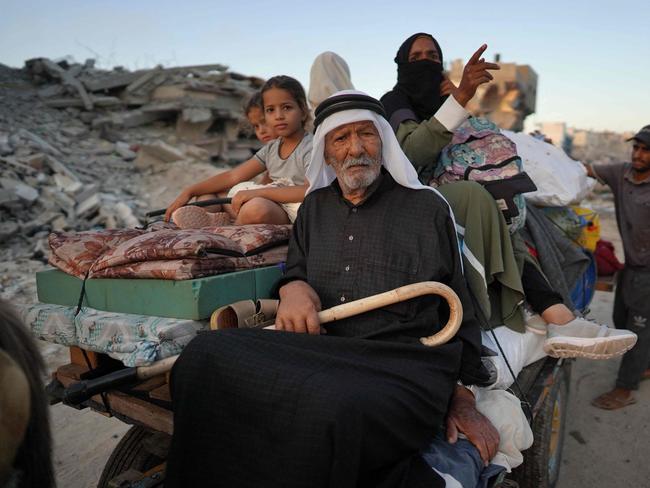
x=329, y=74
x=320, y=174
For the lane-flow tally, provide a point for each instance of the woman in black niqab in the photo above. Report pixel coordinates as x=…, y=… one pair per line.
x=416, y=96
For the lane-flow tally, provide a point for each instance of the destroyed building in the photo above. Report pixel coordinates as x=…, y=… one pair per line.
x=508, y=99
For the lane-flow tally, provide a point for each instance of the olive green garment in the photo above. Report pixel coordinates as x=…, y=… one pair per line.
x=422, y=143
x=491, y=269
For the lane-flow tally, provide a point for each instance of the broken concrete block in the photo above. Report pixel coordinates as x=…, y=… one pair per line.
x=58, y=167
x=215, y=146
x=103, y=148
x=88, y=206
x=67, y=184
x=20, y=189
x=74, y=131
x=26, y=193
x=132, y=118
x=59, y=224
x=17, y=165
x=86, y=193
x=5, y=147
x=7, y=197
x=107, y=82
x=43, y=145
x=41, y=223
x=60, y=199
x=197, y=152
x=124, y=150
x=77, y=102
x=193, y=123
x=157, y=153
x=51, y=91
x=36, y=161
x=8, y=230
x=125, y=214
x=87, y=117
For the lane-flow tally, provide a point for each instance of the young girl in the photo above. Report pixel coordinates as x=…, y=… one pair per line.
x=254, y=111
x=285, y=159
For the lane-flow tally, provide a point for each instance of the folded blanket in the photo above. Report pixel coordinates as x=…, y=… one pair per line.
x=190, y=268
x=167, y=253
x=135, y=340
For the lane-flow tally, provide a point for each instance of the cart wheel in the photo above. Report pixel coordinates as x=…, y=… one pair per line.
x=541, y=467
x=135, y=451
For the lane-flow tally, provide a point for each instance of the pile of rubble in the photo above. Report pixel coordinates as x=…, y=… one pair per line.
x=204, y=102
x=84, y=148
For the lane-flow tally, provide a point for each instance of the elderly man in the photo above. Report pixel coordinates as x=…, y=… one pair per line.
x=356, y=406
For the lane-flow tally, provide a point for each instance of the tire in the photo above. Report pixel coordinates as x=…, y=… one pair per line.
x=132, y=452
x=542, y=461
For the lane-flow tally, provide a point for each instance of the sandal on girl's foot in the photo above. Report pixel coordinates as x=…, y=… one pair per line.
x=193, y=217
x=612, y=400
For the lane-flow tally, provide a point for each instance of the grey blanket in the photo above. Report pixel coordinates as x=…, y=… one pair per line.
x=562, y=260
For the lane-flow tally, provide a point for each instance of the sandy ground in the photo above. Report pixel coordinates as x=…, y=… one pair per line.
x=600, y=449
x=604, y=448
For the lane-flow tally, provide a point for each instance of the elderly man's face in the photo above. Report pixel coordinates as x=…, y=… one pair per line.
x=354, y=151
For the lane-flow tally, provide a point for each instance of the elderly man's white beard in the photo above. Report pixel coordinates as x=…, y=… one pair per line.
x=358, y=181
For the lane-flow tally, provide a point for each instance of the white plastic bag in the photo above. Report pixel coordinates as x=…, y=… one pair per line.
x=504, y=412
x=560, y=180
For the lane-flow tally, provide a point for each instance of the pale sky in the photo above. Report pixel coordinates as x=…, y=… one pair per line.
x=592, y=57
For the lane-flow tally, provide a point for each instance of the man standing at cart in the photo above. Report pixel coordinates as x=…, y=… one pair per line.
x=630, y=183
x=354, y=407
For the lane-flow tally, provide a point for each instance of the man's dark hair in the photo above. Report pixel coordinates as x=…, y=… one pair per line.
x=294, y=88
x=33, y=460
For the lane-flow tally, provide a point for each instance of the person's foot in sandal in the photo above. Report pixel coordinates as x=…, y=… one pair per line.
x=615, y=399
x=581, y=338
x=193, y=217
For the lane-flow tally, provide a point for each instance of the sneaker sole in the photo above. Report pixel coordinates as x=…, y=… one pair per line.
x=595, y=348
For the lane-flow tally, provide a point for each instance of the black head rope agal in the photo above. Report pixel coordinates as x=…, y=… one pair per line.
x=352, y=101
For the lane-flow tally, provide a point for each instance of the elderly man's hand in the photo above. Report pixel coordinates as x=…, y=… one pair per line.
x=475, y=73
x=298, y=310
x=463, y=418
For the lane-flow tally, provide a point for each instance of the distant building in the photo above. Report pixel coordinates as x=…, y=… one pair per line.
x=603, y=147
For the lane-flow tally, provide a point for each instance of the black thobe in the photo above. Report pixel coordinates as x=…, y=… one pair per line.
x=354, y=407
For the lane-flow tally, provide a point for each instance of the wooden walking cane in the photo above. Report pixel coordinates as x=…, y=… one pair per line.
x=83, y=390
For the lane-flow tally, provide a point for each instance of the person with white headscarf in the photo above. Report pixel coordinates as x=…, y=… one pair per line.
x=357, y=405
x=329, y=74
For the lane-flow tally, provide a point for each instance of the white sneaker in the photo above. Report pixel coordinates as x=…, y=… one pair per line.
x=581, y=338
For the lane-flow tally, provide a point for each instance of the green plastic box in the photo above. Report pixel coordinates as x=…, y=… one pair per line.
x=187, y=299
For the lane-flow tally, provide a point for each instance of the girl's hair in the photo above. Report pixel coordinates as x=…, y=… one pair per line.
x=33, y=459
x=255, y=101
x=294, y=88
